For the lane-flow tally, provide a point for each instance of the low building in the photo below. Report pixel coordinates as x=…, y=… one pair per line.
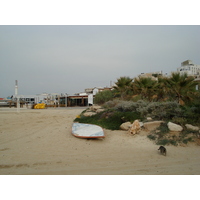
x=152, y=75
x=95, y=90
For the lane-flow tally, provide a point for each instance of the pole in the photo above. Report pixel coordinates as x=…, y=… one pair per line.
x=16, y=93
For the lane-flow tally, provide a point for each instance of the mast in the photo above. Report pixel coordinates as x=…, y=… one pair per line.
x=16, y=94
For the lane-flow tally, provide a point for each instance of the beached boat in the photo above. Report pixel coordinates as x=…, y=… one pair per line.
x=87, y=131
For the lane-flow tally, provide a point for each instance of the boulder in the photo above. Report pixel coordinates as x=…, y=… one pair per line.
x=125, y=126
x=95, y=108
x=100, y=110
x=152, y=125
x=149, y=119
x=191, y=127
x=135, y=127
x=141, y=124
x=89, y=114
x=174, y=127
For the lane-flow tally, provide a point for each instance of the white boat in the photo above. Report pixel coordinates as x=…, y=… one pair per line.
x=87, y=131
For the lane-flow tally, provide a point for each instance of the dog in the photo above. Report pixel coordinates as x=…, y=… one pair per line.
x=163, y=150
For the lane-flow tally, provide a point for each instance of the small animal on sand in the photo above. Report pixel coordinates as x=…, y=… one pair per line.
x=163, y=150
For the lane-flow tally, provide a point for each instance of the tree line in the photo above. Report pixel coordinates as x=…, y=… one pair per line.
x=180, y=88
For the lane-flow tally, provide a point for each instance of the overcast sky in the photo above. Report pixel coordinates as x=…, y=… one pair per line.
x=68, y=59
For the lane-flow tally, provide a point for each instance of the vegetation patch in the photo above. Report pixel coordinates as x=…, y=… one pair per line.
x=109, y=119
x=171, y=98
x=162, y=136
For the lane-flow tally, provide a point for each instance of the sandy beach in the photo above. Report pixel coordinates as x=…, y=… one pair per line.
x=39, y=142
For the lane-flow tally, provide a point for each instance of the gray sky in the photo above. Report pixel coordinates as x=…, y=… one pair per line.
x=68, y=59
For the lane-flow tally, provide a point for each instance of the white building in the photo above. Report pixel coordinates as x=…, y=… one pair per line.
x=38, y=98
x=189, y=68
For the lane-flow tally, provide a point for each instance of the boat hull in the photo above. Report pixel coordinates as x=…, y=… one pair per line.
x=87, y=131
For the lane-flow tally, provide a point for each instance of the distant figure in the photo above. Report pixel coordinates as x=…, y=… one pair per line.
x=163, y=150
x=55, y=103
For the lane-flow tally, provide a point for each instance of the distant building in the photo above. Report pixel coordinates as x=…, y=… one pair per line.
x=152, y=75
x=189, y=68
x=38, y=98
x=95, y=90
x=81, y=99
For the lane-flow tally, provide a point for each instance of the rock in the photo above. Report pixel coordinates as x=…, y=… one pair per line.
x=191, y=127
x=149, y=119
x=89, y=114
x=125, y=126
x=95, y=108
x=174, y=127
x=100, y=110
x=141, y=124
x=135, y=127
x=152, y=125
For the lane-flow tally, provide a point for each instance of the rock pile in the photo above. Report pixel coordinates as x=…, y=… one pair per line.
x=175, y=130
x=93, y=110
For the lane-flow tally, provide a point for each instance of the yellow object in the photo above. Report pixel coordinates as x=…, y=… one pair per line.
x=39, y=106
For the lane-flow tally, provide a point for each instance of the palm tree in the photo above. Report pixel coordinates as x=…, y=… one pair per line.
x=162, y=89
x=123, y=86
x=146, y=87
x=182, y=87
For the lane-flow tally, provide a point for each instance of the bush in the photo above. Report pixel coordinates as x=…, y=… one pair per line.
x=151, y=137
x=124, y=106
x=186, y=140
x=179, y=120
x=164, y=110
x=111, y=103
x=157, y=110
x=163, y=142
x=166, y=142
x=104, y=96
x=192, y=113
x=109, y=119
x=163, y=128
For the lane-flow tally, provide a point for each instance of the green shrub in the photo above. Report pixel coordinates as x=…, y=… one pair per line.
x=163, y=128
x=151, y=137
x=186, y=140
x=124, y=106
x=160, y=136
x=111, y=103
x=173, y=142
x=166, y=142
x=164, y=110
x=109, y=119
x=157, y=110
x=192, y=113
x=162, y=142
x=179, y=120
x=104, y=96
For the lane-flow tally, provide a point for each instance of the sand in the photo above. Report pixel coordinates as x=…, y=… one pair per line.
x=39, y=142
